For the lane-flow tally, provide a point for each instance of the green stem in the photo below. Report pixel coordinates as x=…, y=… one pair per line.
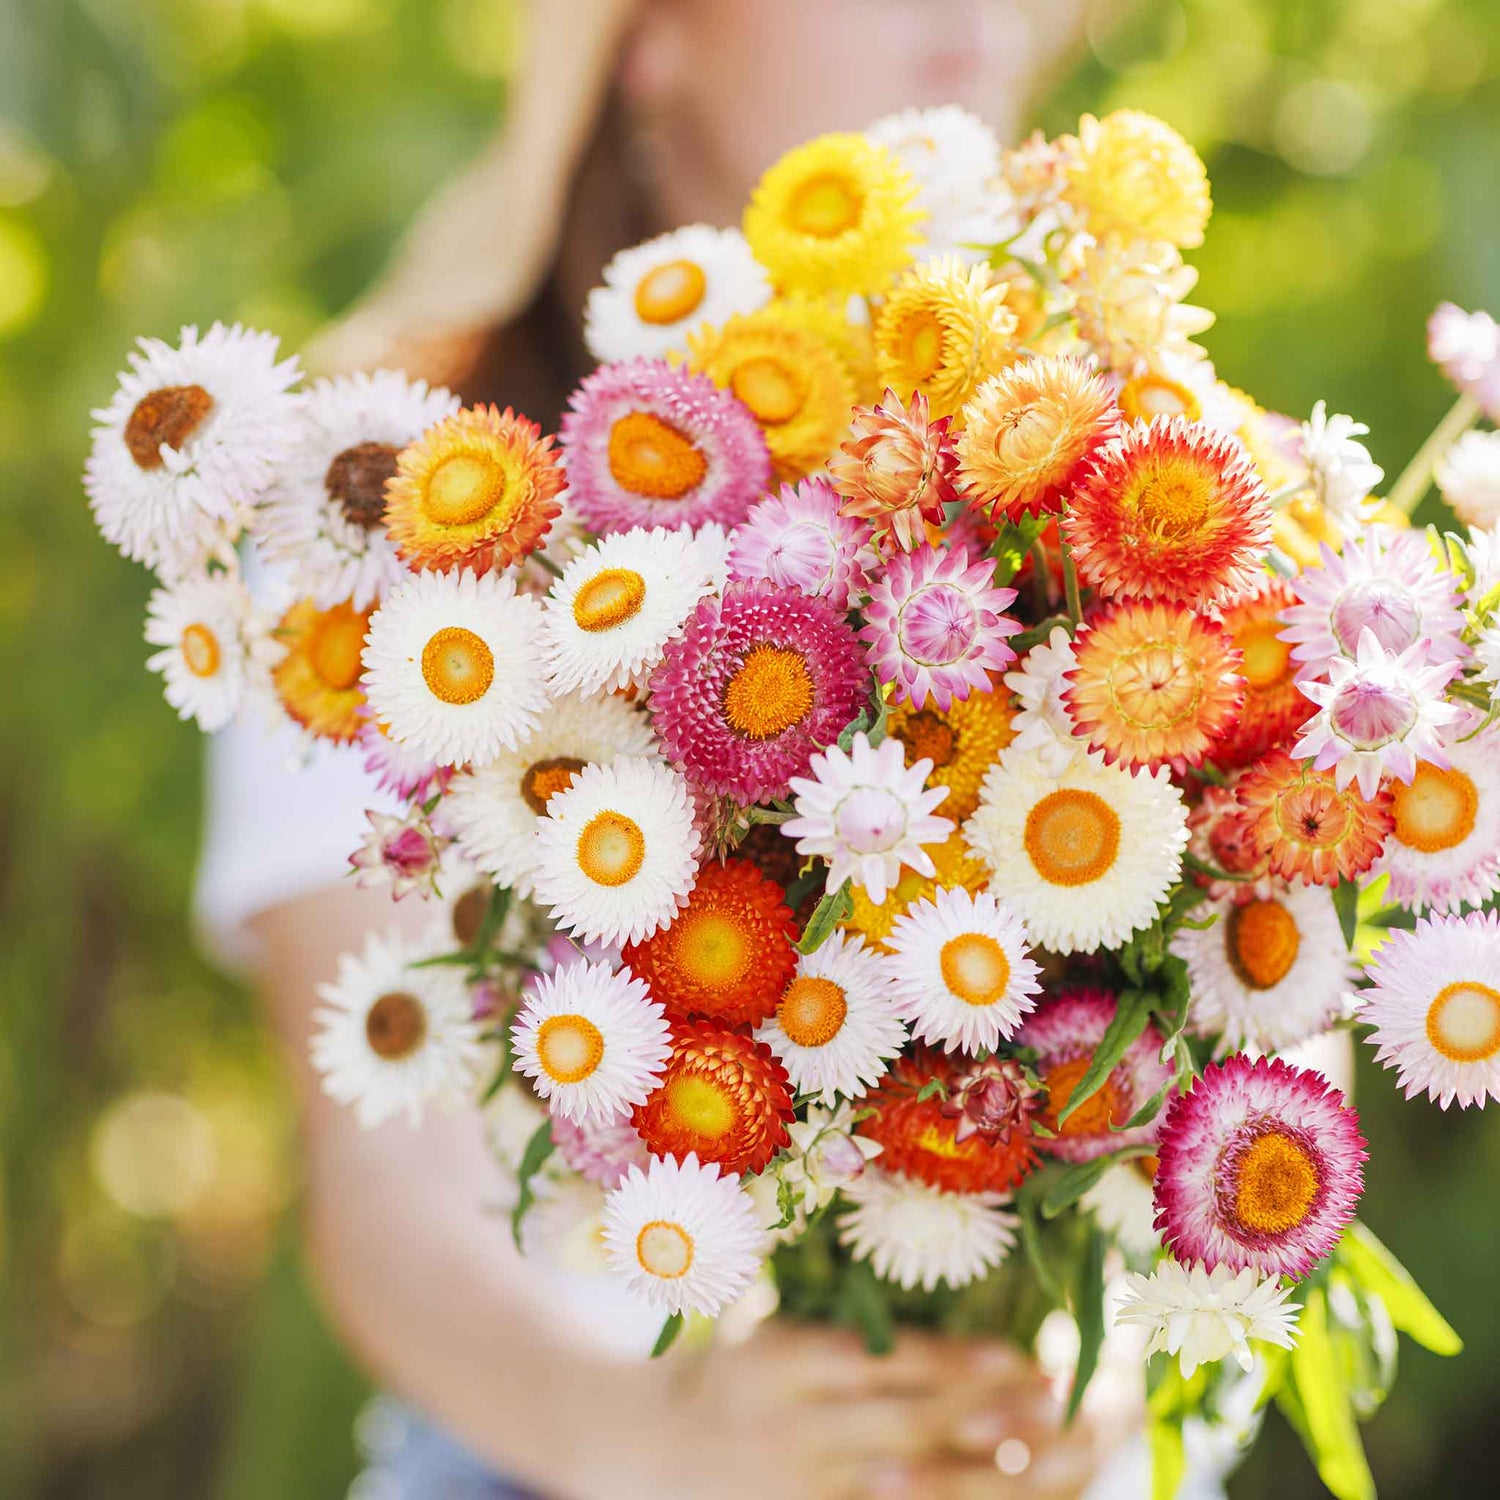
x=1070, y=584
x=1041, y=575
x=1416, y=478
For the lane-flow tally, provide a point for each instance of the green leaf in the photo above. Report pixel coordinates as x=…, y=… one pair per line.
x=1010, y=547
x=668, y=1335
x=934, y=1087
x=1088, y=1310
x=1128, y=1023
x=1149, y=1110
x=538, y=1149
x=1072, y=1182
x=786, y=1203
x=860, y=721
x=1031, y=1241
x=834, y=908
x=1322, y=1402
x=1346, y=904
x=862, y=1303
x=1380, y=1274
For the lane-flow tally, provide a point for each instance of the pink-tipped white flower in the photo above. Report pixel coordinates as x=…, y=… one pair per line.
x=1340, y=468
x=1466, y=346
x=401, y=852
x=1378, y=715
x=800, y=539
x=936, y=625
x=867, y=814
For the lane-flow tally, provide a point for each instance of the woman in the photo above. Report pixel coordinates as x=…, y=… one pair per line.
x=626, y=120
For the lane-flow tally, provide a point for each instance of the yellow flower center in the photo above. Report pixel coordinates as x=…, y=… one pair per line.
x=922, y=340
x=167, y=416
x=337, y=638
x=611, y=848
x=1096, y=1114
x=457, y=665
x=1147, y=396
x=544, y=779
x=1262, y=940
x=650, y=457
x=701, y=1106
x=710, y=949
x=664, y=1249
x=1171, y=499
x=825, y=206
x=1437, y=810
x=812, y=1011
x=608, y=599
x=465, y=488
x=1072, y=836
x=1267, y=660
x=771, y=691
x=1276, y=1183
x=975, y=968
x=200, y=650
x=1155, y=686
x=395, y=1026
x=772, y=389
x=569, y=1048
x=668, y=293
x=1463, y=1021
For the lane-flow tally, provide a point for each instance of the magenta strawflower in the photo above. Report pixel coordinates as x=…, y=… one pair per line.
x=1466, y=346
x=647, y=444
x=760, y=679
x=800, y=540
x=936, y=625
x=1259, y=1166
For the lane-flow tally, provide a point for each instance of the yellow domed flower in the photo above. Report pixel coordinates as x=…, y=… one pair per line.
x=835, y=215
x=854, y=343
x=1155, y=394
x=317, y=680
x=1135, y=176
x=962, y=743
x=956, y=866
x=792, y=380
x=944, y=329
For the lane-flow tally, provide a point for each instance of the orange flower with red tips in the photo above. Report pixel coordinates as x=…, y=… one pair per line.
x=723, y=1095
x=1154, y=685
x=1274, y=707
x=727, y=954
x=920, y=1140
x=1307, y=828
x=318, y=678
x=477, y=490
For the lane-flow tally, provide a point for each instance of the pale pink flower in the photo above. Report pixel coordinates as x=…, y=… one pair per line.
x=402, y=852
x=1466, y=346
x=799, y=539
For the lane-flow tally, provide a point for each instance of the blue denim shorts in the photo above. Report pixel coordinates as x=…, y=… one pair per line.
x=407, y=1458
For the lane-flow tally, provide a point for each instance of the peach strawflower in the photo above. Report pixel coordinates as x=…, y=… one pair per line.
x=317, y=680
x=1274, y=707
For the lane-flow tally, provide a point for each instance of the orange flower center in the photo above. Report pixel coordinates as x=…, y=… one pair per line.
x=825, y=206
x=169, y=416
x=1262, y=940
x=664, y=1249
x=1096, y=1114
x=812, y=1011
x=457, y=666
x=200, y=650
x=701, y=1106
x=569, y=1048
x=928, y=736
x=1463, y=1021
x=356, y=480
x=608, y=599
x=544, y=779
x=771, y=691
x=1072, y=836
x=975, y=968
x=395, y=1026
x=1267, y=660
x=650, y=457
x=333, y=648
x=922, y=340
x=1437, y=810
x=1149, y=395
x=773, y=391
x=1276, y=1183
x=710, y=949
x=611, y=848
x=464, y=489
x=668, y=293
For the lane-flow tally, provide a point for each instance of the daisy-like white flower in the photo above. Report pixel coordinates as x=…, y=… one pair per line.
x=323, y=515
x=592, y=1041
x=647, y=443
x=1434, y=1001
x=1468, y=474
x=613, y=611
x=867, y=814
x=1271, y=972
x=402, y=853
x=1487, y=653
x=1258, y=1165
x=1043, y=724
x=653, y=293
x=215, y=647
x=959, y=971
x=393, y=1036
x=1339, y=466
x=1466, y=346
x=617, y=852
x=683, y=1236
x=1443, y=850
x=1122, y=1206
x=493, y=810
x=1378, y=715
x=800, y=540
x=564, y=1225
x=917, y=1235
x=936, y=625
x=1084, y=856
x=1201, y=1316
x=453, y=665
x=834, y=1027
x=1387, y=582
x=189, y=443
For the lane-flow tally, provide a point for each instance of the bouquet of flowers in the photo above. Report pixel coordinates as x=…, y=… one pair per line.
x=902, y=778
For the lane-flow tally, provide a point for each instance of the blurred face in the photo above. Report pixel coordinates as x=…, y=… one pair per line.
x=720, y=88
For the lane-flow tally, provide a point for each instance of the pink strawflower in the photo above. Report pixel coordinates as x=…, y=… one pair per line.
x=799, y=539
x=648, y=444
x=1259, y=1166
x=402, y=852
x=1466, y=346
x=398, y=769
x=936, y=626
x=600, y=1153
x=759, y=679
x=1387, y=582
x=1378, y=715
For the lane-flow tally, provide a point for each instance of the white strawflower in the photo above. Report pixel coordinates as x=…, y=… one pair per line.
x=564, y=1225
x=1468, y=474
x=1043, y=723
x=1340, y=468
x=1124, y=1206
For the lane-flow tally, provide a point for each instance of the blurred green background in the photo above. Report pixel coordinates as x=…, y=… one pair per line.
x=165, y=161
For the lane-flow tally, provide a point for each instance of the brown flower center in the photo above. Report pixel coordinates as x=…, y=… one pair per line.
x=169, y=416
x=356, y=480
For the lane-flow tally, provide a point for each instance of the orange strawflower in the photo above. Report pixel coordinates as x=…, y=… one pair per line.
x=1274, y=707
x=318, y=678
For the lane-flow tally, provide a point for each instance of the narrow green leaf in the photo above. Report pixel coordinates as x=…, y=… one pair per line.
x=1149, y=1110
x=862, y=1303
x=1380, y=1274
x=1346, y=904
x=1128, y=1023
x=668, y=1335
x=1168, y=1456
x=1031, y=1241
x=1322, y=1392
x=934, y=1087
x=829, y=912
x=538, y=1149
x=1088, y=1310
x=860, y=721
x=1072, y=1182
